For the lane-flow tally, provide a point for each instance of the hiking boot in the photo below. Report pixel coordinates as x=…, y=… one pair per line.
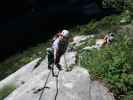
x=54, y=75
x=59, y=67
x=49, y=67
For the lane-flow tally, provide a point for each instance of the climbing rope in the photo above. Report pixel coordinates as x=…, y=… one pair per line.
x=43, y=89
x=65, y=63
x=57, y=86
x=52, y=70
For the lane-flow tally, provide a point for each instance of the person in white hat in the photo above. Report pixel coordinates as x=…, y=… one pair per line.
x=59, y=47
x=65, y=33
x=109, y=38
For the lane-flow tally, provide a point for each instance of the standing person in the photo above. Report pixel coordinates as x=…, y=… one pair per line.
x=59, y=47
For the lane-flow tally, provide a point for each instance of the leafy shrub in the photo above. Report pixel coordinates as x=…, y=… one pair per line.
x=129, y=96
x=125, y=17
x=109, y=23
x=4, y=92
x=87, y=29
x=113, y=64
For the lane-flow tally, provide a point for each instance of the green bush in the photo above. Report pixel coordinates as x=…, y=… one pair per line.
x=129, y=96
x=109, y=23
x=113, y=64
x=125, y=17
x=87, y=29
x=4, y=92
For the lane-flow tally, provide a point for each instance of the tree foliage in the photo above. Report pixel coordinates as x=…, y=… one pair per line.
x=117, y=4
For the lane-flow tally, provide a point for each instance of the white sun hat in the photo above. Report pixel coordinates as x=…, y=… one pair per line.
x=65, y=33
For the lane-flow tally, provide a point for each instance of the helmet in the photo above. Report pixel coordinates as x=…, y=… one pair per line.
x=65, y=33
